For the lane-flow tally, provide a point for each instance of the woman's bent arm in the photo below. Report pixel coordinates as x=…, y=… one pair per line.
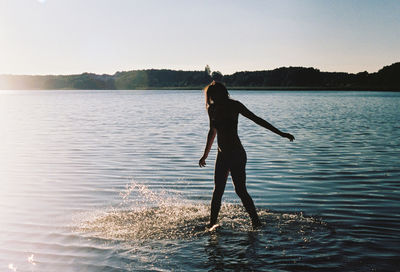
x=210, y=139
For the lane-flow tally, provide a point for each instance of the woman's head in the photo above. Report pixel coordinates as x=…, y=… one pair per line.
x=215, y=93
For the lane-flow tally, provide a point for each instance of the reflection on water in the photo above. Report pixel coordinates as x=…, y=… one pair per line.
x=106, y=181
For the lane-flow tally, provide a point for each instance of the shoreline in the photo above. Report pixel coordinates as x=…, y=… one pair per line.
x=284, y=78
x=233, y=88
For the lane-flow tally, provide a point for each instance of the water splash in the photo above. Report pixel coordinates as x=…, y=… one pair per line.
x=31, y=260
x=164, y=222
x=189, y=221
x=138, y=195
x=162, y=215
x=12, y=267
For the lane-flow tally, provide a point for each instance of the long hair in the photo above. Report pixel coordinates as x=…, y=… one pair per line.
x=215, y=92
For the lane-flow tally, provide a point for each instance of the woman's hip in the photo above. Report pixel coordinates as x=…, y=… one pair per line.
x=232, y=157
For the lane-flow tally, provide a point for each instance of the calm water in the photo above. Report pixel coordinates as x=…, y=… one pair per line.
x=108, y=181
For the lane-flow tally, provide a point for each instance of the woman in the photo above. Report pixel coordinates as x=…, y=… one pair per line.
x=223, y=113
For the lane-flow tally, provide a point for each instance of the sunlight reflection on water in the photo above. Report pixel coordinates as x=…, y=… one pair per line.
x=108, y=180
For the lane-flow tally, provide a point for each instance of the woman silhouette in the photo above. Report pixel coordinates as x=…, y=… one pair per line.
x=223, y=113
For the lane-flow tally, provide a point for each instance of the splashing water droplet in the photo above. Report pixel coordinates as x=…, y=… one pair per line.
x=31, y=260
x=12, y=267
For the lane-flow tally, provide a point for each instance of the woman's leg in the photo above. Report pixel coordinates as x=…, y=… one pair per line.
x=238, y=173
x=220, y=177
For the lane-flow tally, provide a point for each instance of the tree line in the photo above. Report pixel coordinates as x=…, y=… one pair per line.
x=387, y=78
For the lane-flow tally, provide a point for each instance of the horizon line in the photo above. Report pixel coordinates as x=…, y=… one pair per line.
x=144, y=69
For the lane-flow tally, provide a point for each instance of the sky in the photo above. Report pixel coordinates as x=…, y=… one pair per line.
x=106, y=36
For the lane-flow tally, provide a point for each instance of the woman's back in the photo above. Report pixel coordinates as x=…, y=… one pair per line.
x=224, y=117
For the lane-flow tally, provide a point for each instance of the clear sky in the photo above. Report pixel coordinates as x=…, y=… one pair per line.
x=105, y=36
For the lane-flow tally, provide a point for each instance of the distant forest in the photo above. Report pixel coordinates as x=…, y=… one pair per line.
x=387, y=78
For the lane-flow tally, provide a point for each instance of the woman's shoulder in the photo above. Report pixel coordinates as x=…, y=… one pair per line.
x=235, y=103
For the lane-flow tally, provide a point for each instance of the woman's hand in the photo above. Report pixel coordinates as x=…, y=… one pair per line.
x=210, y=139
x=202, y=161
x=289, y=136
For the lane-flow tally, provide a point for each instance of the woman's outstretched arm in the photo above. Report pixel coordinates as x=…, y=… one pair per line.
x=261, y=122
x=210, y=139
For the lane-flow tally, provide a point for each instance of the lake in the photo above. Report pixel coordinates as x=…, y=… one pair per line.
x=109, y=181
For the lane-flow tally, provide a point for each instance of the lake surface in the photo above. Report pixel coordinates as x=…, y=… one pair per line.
x=109, y=181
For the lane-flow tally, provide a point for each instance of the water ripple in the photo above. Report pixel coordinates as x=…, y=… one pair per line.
x=108, y=181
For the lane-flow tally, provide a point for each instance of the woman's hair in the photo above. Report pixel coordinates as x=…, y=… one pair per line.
x=215, y=92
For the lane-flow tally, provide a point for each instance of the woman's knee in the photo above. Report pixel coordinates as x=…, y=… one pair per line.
x=241, y=191
x=219, y=190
